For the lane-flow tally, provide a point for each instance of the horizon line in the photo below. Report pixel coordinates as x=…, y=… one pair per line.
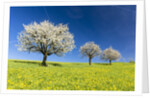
x=64, y=62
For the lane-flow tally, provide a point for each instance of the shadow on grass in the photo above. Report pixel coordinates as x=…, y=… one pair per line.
x=38, y=63
x=27, y=62
x=102, y=63
x=55, y=64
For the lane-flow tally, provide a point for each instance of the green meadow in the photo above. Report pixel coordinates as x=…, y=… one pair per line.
x=29, y=75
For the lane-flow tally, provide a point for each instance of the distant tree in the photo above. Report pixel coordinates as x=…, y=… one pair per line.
x=90, y=50
x=46, y=38
x=131, y=61
x=110, y=54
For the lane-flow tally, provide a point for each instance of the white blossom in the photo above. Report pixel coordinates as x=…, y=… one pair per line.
x=110, y=54
x=46, y=38
x=90, y=50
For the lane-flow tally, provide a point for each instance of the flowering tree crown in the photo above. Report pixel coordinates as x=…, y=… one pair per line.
x=90, y=50
x=46, y=38
x=110, y=54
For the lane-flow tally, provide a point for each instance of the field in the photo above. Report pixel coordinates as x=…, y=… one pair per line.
x=29, y=75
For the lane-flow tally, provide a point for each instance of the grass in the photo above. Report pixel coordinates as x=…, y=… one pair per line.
x=29, y=75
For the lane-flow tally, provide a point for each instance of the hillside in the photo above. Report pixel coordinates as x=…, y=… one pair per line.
x=70, y=76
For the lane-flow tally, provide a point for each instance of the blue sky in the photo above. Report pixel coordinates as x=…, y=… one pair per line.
x=105, y=25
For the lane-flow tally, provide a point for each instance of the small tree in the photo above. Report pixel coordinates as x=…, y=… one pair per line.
x=90, y=50
x=110, y=54
x=131, y=61
x=46, y=38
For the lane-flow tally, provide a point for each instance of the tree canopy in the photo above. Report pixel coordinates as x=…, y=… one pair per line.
x=110, y=54
x=46, y=38
x=90, y=50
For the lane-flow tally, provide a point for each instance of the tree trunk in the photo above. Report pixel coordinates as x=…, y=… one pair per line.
x=90, y=59
x=44, y=60
x=109, y=62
